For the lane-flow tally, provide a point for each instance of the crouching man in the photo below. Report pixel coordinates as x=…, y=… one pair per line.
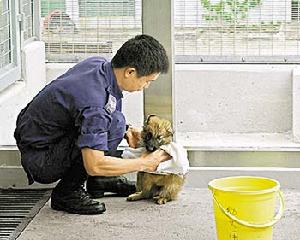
x=72, y=128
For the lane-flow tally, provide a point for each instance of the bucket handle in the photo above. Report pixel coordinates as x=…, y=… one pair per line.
x=254, y=225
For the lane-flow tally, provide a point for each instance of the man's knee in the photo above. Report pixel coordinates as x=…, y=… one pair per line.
x=50, y=164
x=38, y=168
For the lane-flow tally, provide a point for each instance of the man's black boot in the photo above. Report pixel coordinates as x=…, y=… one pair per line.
x=97, y=186
x=75, y=201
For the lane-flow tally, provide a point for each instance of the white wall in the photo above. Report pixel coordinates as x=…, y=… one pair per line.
x=234, y=98
x=237, y=107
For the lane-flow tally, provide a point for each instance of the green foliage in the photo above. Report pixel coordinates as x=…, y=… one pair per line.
x=48, y=6
x=231, y=11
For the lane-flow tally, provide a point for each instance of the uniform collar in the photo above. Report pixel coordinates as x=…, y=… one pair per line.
x=114, y=88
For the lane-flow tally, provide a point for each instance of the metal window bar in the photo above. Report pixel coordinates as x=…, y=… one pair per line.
x=75, y=29
x=234, y=31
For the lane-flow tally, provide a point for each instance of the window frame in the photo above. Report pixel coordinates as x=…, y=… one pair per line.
x=12, y=72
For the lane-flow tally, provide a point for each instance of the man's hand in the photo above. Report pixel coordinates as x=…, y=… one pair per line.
x=133, y=137
x=153, y=159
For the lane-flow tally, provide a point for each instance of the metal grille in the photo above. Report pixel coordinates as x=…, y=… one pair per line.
x=5, y=47
x=237, y=30
x=17, y=209
x=27, y=11
x=73, y=30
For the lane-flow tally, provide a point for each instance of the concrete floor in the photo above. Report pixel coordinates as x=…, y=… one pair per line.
x=188, y=218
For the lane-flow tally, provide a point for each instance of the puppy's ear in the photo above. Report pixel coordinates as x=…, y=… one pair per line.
x=148, y=118
x=170, y=132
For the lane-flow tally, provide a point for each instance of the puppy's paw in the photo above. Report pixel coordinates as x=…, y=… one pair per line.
x=160, y=200
x=135, y=196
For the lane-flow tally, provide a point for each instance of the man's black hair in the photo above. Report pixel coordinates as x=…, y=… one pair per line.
x=144, y=53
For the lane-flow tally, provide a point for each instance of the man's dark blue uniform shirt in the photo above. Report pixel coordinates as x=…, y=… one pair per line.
x=85, y=102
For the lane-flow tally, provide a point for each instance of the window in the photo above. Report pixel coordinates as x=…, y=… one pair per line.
x=76, y=29
x=9, y=46
x=237, y=31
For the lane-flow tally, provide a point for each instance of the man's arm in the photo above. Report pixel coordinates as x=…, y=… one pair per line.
x=97, y=164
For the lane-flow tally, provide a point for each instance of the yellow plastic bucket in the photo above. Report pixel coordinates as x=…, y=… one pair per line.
x=245, y=207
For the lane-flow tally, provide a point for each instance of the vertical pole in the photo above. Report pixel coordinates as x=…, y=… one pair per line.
x=296, y=104
x=157, y=21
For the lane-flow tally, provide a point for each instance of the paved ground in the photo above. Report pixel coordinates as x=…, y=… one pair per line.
x=188, y=218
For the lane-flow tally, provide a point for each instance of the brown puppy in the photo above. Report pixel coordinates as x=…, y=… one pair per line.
x=161, y=187
x=156, y=132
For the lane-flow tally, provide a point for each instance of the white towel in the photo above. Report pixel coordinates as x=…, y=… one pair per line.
x=178, y=164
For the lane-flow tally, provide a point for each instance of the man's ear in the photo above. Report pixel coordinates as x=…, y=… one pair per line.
x=129, y=71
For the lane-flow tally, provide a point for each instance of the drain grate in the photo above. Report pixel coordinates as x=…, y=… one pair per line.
x=17, y=209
